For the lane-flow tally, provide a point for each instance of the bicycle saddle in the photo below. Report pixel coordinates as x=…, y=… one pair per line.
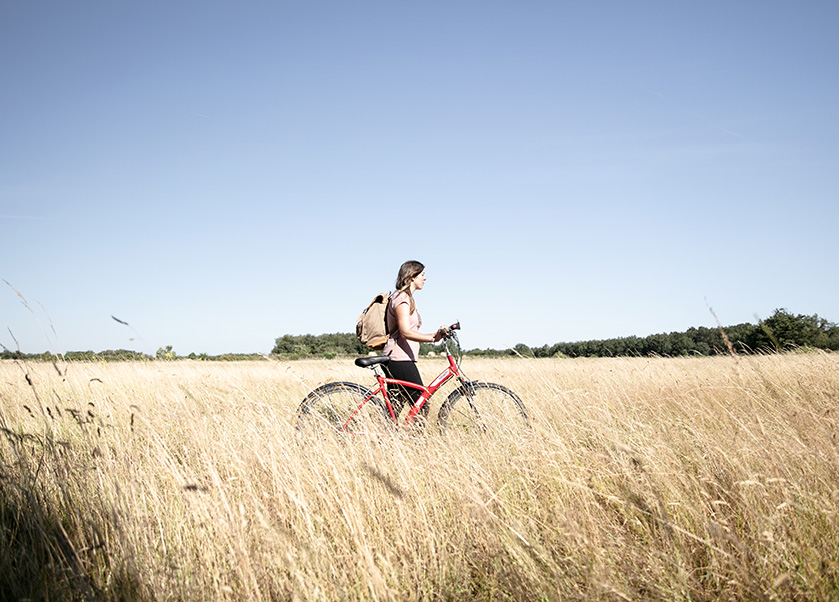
x=366, y=362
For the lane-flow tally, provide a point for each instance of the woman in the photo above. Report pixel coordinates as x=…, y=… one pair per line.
x=403, y=321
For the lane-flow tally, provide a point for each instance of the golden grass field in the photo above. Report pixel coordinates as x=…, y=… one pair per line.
x=641, y=479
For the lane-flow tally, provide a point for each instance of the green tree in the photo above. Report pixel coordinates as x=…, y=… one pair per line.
x=783, y=330
x=523, y=350
x=166, y=353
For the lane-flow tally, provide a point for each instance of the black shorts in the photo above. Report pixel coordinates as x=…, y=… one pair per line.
x=399, y=395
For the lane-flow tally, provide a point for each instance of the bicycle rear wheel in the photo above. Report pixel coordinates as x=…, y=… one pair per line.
x=479, y=407
x=342, y=407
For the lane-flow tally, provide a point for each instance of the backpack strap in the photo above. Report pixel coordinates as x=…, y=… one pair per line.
x=387, y=326
x=391, y=332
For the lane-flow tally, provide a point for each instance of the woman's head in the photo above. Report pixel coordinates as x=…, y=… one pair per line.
x=407, y=272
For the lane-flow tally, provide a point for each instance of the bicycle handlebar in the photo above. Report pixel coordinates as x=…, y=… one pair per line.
x=449, y=331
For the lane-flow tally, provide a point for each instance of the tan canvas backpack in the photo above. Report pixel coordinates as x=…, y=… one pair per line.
x=371, y=327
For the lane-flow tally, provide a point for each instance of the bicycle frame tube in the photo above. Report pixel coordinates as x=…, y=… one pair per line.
x=426, y=392
x=361, y=405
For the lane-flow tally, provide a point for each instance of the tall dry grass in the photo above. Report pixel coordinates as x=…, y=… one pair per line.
x=641, y=479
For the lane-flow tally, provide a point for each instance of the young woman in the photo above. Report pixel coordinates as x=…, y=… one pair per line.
x=404, y=322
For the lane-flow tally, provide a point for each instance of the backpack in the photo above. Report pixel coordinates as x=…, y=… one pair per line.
x=371, y=327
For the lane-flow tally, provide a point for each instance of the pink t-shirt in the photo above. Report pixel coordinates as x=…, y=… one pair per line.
x=398, y=347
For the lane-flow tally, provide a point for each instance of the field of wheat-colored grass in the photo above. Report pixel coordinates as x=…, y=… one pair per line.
x=640, y=479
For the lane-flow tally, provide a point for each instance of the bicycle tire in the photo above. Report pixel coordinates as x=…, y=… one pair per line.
x=481, y=407
x=337, y=408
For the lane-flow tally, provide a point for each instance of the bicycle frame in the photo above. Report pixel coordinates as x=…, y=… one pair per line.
x=473, y=406
x=451, y=371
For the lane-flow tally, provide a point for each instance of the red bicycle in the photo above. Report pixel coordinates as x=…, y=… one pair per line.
x=474, y=406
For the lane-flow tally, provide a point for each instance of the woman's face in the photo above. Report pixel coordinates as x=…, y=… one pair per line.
x=418, y=281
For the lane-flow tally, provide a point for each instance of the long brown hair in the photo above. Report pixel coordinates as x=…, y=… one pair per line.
x=407, y=272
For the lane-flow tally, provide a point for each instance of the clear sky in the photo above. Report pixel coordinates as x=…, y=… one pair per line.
x=218, y=174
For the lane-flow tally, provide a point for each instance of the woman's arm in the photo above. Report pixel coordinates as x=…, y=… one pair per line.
x=403, y=313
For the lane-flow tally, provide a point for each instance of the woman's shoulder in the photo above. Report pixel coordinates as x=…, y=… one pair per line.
x=399, y=298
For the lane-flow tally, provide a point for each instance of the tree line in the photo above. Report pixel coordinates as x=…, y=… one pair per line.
x=782, y=331
x=125, y=355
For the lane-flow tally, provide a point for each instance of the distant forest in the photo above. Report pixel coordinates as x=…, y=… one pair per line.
x=782, y=331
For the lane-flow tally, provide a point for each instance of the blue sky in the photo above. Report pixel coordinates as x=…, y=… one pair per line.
x=218, y=174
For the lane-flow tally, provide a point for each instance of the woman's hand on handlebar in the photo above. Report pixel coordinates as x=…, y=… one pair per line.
x=445, y=331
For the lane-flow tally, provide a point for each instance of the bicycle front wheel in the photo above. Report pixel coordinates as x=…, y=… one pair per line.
x=479, y=407
x=342, y=407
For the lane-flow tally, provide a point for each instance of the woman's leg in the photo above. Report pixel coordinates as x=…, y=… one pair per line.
x=409, y=372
